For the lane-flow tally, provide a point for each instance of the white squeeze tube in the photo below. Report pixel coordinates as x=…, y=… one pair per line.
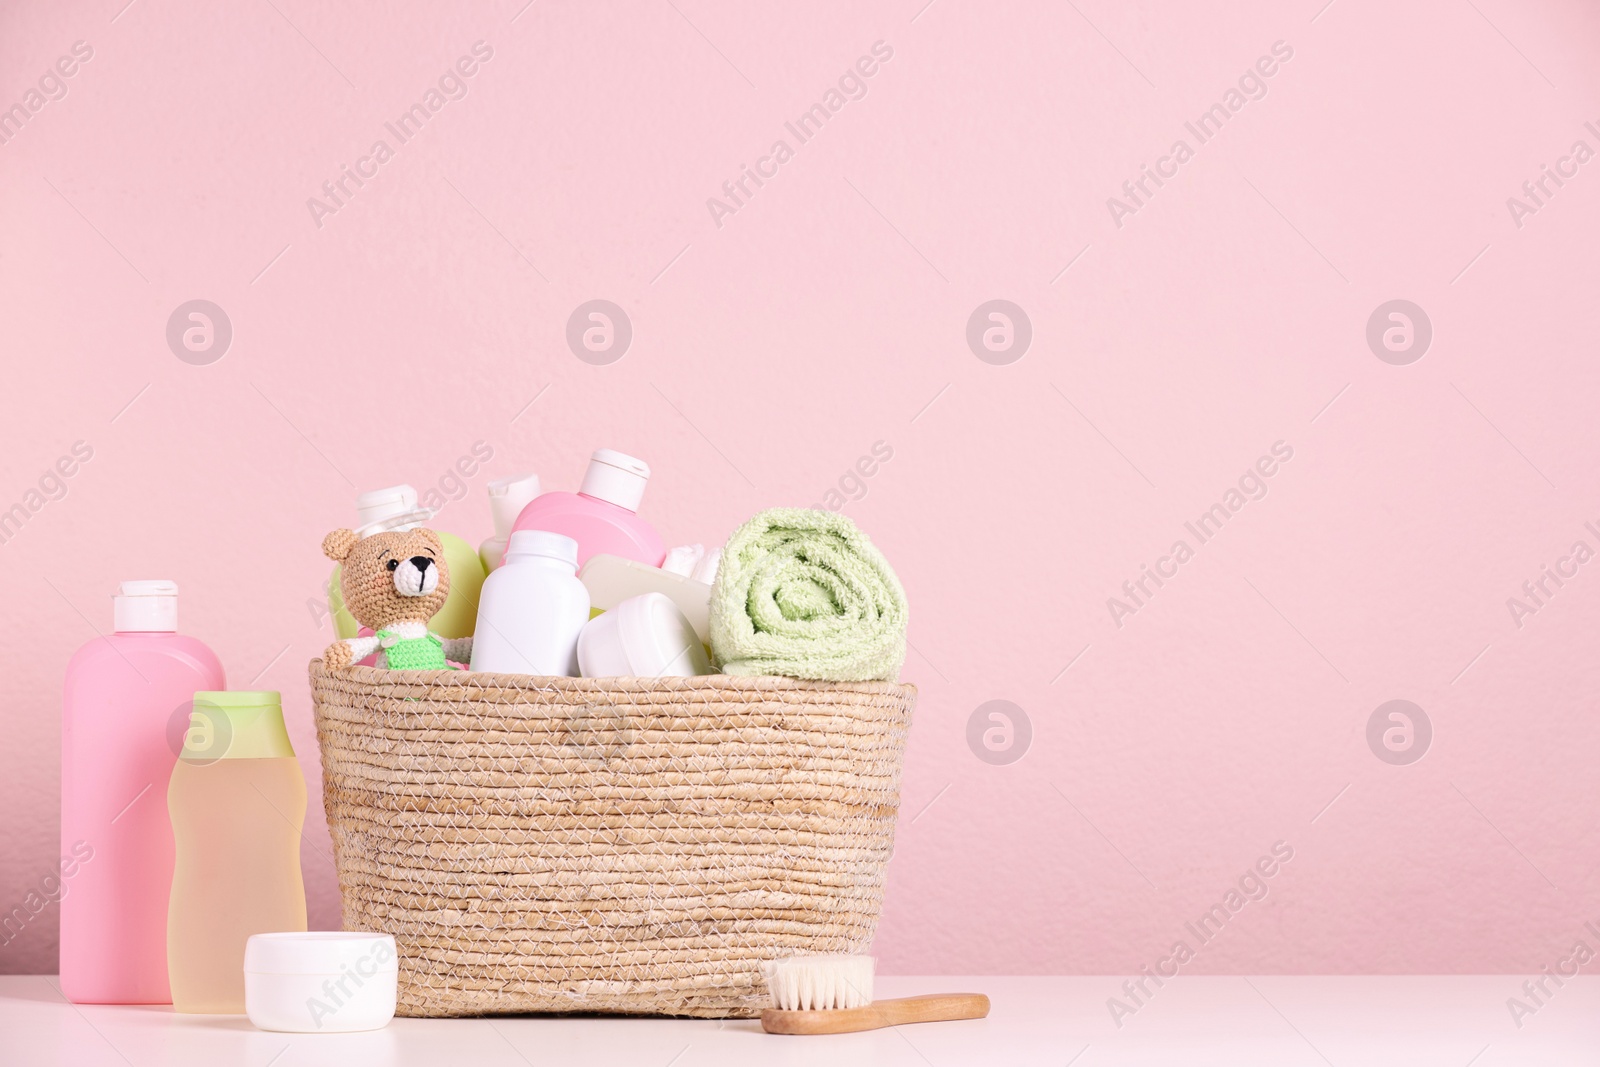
x=507, y=498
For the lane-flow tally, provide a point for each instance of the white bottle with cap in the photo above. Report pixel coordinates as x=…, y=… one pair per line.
x=532, y=609
x=125, y=709
x=507, y=498
x=602, y=515
x=396, y=508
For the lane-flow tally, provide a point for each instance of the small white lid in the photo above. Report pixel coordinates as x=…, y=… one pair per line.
x=615, y=478
x=526, y=543
x=657, y=639
x=393, y=508
x=706, y=570
x=145, y=606
x=320, y=952
x=380, y=504
x=507, y=498
x=683, y=559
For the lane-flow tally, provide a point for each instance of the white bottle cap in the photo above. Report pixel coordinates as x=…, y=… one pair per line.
x=683, y=559
x=706, y=569
x=525, y=543
x=615, y=478
x=394, y=508
x=380, y=504
x=507, y=498
x=149, y=607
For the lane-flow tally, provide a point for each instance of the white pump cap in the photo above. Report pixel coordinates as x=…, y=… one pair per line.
x=615, y=478
x=525, y=543
x=394, y=508
x=145, y=607
x=507, y=498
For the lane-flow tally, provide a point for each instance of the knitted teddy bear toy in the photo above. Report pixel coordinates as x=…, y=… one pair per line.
x=393, y=583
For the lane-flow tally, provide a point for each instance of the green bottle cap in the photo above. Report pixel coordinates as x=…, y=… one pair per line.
x=242, y=724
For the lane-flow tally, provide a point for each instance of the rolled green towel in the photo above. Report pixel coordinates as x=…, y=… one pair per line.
x=803, y=593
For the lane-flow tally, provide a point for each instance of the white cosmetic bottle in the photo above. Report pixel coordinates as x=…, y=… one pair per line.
x=532, y=608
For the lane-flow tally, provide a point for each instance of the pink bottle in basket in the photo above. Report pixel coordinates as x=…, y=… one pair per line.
x=125, y=710
x=601, y=515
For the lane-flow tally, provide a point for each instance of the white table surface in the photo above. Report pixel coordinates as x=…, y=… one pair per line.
x=1282, y=1021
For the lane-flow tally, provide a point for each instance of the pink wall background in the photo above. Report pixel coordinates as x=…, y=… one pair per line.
x=829, y=312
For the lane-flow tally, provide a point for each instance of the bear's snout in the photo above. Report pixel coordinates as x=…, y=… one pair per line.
x=417, y=576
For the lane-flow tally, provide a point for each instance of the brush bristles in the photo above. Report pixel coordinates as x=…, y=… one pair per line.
x=819, y=983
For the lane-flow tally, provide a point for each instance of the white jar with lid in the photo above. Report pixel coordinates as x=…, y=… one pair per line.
x=645, y=636
x=320, y=981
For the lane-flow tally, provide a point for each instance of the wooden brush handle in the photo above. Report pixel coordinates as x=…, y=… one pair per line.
x=879, y=1013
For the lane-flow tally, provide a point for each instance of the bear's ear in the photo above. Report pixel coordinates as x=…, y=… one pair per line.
x=337, y=545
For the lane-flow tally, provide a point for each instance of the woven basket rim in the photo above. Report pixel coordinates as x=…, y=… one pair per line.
x=454, y=679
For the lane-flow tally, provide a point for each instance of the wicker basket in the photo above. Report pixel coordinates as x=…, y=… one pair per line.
x=609, y=845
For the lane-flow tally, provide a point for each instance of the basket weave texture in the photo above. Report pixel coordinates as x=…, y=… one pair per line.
x=629, y=845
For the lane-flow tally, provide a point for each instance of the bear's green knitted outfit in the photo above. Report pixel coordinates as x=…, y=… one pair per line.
x=425, y=653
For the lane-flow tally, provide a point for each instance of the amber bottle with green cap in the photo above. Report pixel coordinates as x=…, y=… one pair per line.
x=238, y=802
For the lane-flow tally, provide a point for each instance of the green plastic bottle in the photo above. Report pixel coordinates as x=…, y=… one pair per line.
x=395, y=508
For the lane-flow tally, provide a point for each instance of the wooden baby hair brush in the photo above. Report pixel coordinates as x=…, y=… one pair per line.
x=833, y=995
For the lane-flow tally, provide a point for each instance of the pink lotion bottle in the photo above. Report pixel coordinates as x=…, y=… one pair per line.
x=601, y=515
x=125, y=704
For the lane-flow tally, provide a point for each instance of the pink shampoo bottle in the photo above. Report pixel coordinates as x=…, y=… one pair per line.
x=125, y=710
x=601, y=515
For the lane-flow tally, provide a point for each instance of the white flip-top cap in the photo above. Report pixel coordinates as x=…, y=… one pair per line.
x=507, y=498
x=380, y=504
x=394, y=508
x=615, y=478
x=543, y=543
x=149, y=606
